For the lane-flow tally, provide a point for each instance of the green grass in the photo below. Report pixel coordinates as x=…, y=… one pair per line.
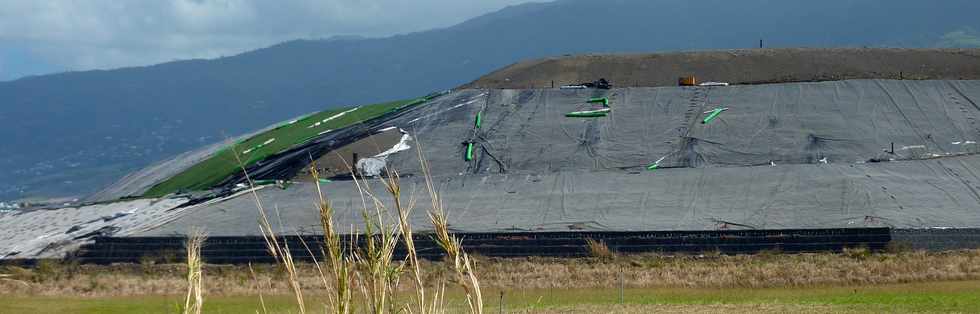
x=223, y=164
x=145, y=304
x=950, y=296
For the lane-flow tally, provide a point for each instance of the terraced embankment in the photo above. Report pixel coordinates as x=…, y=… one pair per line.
x=783, y=156
x=800, y=155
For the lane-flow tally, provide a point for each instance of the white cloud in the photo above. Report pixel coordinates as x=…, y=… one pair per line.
x=99, y=34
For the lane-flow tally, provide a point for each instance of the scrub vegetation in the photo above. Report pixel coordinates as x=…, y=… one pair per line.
x=908, y=281
x=644, y=271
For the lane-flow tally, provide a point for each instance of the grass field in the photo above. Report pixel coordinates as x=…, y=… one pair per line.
x=211, y=171
x=931, y=297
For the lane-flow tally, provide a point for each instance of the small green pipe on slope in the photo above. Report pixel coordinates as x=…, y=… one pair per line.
x=469, y=151
x=656, y=164
x=603, y=100
x=478, y=119
x=712, y=116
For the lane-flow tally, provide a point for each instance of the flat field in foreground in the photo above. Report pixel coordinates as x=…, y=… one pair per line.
x=932, y=297
x=850, y=282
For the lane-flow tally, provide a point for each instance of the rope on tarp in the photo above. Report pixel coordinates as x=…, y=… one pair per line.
x=588, y=113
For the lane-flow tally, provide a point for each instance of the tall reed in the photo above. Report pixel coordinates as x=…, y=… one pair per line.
x=194, y=299
x=453, y=246
x=371, y=268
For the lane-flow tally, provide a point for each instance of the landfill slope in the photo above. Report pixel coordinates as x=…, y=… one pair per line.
x=794, y=155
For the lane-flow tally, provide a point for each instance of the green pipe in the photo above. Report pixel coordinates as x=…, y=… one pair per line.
x=603, y=100
x=322, y=180
x=714, y=113
x=478, y=119
x=469, y=151
x=656, y=164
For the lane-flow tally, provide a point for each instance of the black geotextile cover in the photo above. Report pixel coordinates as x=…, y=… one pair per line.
x=800, y=155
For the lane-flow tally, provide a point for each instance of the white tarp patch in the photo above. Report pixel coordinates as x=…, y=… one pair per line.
x=338, y=115
x=372, y=166
x=52, y=233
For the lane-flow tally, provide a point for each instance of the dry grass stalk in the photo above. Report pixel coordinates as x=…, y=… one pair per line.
x=316, y=263
x=462, y=265
x=7, y=277
x=393, y=186
x=339, y=261
x=257, y=288
x=195, y=279
x=372, y=268
x=278, y=251
x=598, y=248
x=859, y=252
x=377, y=271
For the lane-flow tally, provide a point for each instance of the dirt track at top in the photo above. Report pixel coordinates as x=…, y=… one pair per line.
x=744, y=66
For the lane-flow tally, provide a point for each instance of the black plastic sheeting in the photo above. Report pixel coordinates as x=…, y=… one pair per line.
x=937, y=239
x=784, y=156
x=237, y=250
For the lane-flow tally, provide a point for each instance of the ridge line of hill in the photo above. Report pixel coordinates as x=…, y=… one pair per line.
x=740, y=66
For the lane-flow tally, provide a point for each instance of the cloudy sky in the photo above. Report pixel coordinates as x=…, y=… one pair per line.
x=44, y=36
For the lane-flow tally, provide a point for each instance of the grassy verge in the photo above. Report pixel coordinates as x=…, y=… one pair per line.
x=960, y=296
x=143, y=304
x=931, y=297
x=211, y=171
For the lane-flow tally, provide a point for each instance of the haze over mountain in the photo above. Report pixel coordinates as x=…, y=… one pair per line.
x=72, y=133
